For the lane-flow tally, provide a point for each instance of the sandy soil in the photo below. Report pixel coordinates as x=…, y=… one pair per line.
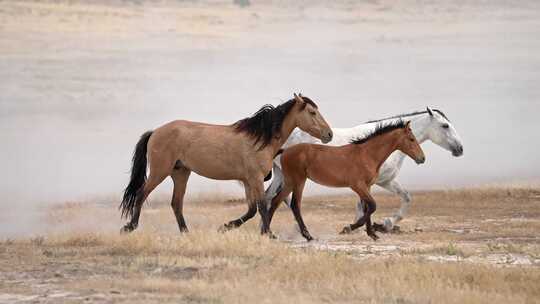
x=478, y=245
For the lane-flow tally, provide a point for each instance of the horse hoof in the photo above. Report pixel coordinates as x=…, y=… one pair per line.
x=126, y=229
x=373, y=236
x=346, y=230
x=223, y=228
x=380, y=228
x=184, y=230
x=272, y=236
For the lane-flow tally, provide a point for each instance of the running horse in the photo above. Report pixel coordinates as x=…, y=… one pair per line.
x=355, y=166
x=428, y=125
x=243, y=151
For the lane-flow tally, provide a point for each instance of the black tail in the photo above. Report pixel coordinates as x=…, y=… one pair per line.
x=138, y=176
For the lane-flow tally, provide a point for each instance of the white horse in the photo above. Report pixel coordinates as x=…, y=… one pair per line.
x=426, y=125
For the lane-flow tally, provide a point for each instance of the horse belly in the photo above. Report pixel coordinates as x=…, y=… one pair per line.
x=216, y=171
x=214, y=159
x=214, y=165
x=329, y=178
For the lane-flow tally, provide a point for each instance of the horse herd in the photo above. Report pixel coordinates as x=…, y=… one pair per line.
x=250, y=149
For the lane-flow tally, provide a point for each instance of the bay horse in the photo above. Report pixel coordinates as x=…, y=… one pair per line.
x=427, y=125
x=355, y=165
x=241, y=151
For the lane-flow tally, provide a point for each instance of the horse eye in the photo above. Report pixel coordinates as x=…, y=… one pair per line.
x=445, y=126
x=312, y=113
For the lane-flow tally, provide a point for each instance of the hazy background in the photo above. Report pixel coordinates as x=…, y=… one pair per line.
x=81, y=80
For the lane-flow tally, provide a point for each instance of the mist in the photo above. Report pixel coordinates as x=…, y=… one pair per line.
x=81, y=82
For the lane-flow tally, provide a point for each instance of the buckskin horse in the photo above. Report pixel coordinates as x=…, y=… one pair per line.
x=242, y=151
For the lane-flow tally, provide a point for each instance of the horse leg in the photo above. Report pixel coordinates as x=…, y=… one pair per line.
x=257, y=199
x=369, y=208
x=287, y=201
x=360, y=219
x=252, y=210
x=296, y=204
x=360, y=209
x=389, y=223
x=153, y=181
x=180, y=178
x=276, y=201
x=275, y=188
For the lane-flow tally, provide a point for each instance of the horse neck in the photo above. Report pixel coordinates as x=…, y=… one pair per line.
x=420, y=127
x=380, y=147
x=287, y=126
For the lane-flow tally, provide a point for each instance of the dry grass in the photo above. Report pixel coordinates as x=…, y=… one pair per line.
x=240, y=267
x=156, y=264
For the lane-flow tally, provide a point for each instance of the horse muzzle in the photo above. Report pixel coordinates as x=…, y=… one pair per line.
x=457, y=151
x=420, y=160
x=327, y=137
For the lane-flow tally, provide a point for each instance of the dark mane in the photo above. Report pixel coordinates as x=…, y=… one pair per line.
x=408, y=115
x=380, y=129
x=267, y=121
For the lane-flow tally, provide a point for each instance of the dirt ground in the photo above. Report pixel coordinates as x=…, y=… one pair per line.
x=461, y=246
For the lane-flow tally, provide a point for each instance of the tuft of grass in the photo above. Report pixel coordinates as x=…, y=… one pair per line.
x=450, y=249
x=453, y=250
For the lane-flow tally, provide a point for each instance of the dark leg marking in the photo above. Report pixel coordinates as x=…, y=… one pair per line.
x=261, y=205
x=298, y=216
x=369, y=227
x=238, y=222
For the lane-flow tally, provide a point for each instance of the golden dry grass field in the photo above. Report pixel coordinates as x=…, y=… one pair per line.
x=460, y=246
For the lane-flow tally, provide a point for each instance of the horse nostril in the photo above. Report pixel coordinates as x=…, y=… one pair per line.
x=458, y=151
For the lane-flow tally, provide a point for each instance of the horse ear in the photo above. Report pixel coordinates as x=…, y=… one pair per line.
x=298, y=98
x=429, y=111
x=408, y=124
